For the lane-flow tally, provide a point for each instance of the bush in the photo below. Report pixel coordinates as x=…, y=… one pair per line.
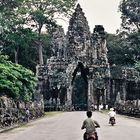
x=15, y=80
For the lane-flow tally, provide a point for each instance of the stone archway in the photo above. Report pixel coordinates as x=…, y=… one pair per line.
x=72, y=75
x=79, y=93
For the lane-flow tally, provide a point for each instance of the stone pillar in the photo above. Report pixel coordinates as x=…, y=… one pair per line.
x=113, y=89
x=89, y=98
x=124, y=90
x=107, y=82
x=104, y=99
x=92, y=92
x=69, y=98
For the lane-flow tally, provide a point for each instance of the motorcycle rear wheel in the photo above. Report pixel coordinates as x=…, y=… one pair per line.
x=90, y=139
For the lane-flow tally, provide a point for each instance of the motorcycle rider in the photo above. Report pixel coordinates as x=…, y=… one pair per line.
x=90, y=125
x=111, y=114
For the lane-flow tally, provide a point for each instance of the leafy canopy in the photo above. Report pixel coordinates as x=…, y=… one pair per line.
x=130, y=10
x=35, y=14
x=15, y=80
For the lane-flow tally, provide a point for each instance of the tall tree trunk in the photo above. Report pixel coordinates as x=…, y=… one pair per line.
x=98, y=92
x=40, y=54
x=16, y=55
x=40, y=46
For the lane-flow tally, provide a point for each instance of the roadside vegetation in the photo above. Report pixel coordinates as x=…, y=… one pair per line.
x=123, y=47
x=53, y=113
x=25, y=28
x=16, y=81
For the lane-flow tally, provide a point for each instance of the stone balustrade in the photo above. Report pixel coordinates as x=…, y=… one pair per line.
x=13, y=113
x=129, y=108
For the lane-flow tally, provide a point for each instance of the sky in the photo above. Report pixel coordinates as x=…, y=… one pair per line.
x=99, y=12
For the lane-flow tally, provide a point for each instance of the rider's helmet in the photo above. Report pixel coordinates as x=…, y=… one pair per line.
x=111, y=109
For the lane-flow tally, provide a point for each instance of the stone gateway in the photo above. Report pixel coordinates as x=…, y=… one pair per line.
x=80, y=51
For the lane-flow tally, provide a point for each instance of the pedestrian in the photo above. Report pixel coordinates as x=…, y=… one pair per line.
x=27, y=113
x=92, y=107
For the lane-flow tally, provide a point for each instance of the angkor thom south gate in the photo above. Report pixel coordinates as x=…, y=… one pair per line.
x=85, y=53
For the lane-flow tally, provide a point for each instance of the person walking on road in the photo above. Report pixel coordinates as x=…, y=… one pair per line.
x=27, y=115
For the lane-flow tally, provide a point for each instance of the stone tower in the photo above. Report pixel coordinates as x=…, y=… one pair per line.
x=99, y=48
x=78, y=36
x=58, y=42
x=90, y=50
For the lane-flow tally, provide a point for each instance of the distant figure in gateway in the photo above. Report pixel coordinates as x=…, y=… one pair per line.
x=27, y=115
x=90, y=125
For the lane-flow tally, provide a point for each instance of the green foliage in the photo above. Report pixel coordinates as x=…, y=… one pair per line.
x=11, y=17
x=130, y=10
x=25, y=42
x=15, y=80
x=122, y=51
x=123, y=48
x=43, y=13
x=130, y=30
x=28, y=56
x=137, y=65
x=116, y=52
x=134, y=41
x=17, y=14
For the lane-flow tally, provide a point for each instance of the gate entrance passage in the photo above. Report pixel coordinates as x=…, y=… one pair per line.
x=80, y=88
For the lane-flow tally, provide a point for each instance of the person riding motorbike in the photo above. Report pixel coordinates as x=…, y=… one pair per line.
x=112, y=115
x=90, y=125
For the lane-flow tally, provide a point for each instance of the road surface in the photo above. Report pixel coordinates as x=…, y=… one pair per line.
x=67, y=126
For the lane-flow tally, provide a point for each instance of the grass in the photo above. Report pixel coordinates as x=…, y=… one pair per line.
x=104, y=111
x=53, y=113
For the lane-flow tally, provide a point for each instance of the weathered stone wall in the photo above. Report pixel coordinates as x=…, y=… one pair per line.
x=126, y=81
x=130, y=108
x=13, y=113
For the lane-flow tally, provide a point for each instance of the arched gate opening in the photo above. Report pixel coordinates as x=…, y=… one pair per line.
x=80, y=88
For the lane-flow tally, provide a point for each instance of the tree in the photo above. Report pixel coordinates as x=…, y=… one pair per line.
x=117, y=50
x=14, y=42
x=43, y=12
x=130, y=30
x=12, y=21
x=21, y=46
x=130, y=10
x=35, y=14
x=134, y=48
x=17, y=40
x=16, y=81
x=28, y=56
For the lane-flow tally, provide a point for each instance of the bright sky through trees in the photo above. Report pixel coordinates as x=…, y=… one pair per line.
x=100, y=12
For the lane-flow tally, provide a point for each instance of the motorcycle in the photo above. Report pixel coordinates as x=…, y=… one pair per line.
x=92, y=136
x=112, y=121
